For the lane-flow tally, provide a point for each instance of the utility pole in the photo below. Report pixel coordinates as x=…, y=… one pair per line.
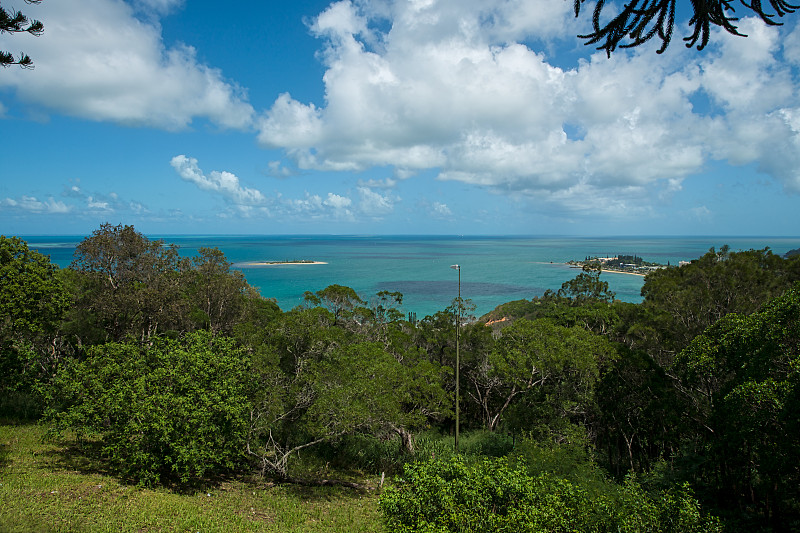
x=458, y=328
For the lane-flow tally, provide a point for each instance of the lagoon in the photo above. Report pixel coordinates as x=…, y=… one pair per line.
x=494, y=269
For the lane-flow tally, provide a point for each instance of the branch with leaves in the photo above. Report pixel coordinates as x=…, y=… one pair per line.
x=13, y=21
x=641, y=20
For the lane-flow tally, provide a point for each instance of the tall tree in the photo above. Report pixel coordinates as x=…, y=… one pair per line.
x=219, y=294
x=681, y=302
x=128, y=285
x=12, y=21
x=538, y=363
x=744, y=374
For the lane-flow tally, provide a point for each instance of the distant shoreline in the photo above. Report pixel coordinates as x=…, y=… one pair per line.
x=279, y=263
x=605, y=270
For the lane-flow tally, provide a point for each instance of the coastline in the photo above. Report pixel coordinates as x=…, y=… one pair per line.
x=612, y=271
x=277, y=263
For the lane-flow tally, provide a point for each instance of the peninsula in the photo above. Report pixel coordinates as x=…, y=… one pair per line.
x=622, y=264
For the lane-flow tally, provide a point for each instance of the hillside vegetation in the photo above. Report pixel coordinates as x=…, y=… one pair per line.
x=138, y=383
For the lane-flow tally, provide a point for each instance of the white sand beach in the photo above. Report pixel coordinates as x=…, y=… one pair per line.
x=278, y=263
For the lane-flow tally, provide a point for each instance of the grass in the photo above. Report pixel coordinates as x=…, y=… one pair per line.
x=49, y=485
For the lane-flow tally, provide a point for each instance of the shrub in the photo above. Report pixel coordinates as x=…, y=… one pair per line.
x=492, y=495
x=169, y=410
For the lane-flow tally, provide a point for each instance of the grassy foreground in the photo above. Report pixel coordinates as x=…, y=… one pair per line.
x=49, y=486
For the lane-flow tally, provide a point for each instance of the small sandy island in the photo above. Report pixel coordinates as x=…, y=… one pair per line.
x=278, y=263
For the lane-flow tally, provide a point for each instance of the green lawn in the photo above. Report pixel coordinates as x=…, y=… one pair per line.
x=51, y=486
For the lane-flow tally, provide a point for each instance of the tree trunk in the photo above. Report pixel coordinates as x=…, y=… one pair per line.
x=406, y=440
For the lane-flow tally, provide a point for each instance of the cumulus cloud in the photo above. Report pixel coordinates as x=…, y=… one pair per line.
x=456, y=86
x=224, y=183
x=98, y=61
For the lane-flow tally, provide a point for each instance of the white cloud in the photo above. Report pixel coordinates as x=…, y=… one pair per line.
x=441, y=210
x=454, y=86
x=159, y=6
x=33, y=205
x=224, y=183
x=97, y=205
x=387, y=183
x=374, y=204
x=97, y=61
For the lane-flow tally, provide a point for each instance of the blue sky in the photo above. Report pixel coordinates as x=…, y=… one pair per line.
x=391, y=117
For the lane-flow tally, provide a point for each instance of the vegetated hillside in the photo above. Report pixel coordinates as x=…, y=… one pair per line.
x=178, y=374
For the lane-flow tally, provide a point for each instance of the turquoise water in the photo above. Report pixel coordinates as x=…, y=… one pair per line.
x=494, y=270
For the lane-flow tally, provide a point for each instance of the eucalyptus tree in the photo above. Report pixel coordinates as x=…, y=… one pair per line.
x=539, y=370
x=319, y=380
x=681, y=302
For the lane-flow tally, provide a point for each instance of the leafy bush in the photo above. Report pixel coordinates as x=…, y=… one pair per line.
x=494, y=495
x=168, y=410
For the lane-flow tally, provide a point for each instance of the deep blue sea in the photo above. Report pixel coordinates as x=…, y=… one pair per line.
x=494, y=270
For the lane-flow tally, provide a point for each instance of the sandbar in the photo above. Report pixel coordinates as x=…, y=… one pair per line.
x=279, y=263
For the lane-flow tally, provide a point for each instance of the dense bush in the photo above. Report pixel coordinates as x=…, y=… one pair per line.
x=494, y=495
x=166, y=411
x=32, y=302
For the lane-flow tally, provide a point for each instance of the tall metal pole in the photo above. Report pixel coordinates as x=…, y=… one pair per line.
x=458, y=364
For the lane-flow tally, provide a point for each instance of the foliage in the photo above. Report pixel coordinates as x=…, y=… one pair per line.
x=642, y=414
x=319, y=383
x=587, y=286
x=15, y=22
x=219, y=296
x=166, y=411
x=540, y=371
x=680, y=303
x=495, y=495
x=639, y=21
x=744, y=374
x=127, y=285
x=32, y=302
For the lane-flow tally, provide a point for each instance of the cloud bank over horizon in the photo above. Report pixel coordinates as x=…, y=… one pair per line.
x=498, y=97
x=444, y=89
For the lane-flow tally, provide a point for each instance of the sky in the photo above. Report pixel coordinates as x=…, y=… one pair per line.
x=479, y=117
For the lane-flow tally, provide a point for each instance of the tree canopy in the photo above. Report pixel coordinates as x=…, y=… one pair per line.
x=12, y=21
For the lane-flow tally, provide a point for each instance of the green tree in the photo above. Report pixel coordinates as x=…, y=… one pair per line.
x=319, y=380
x=642, y=415
x=166, y=411
x=32, y=303
x=497, y=495
x=744, y=374
x=338, y=299
x=127, y=285
x=587, y=286
x=637, y=21
x=219, y=294
x=551, y=370
x=15, y=22
x=681, y=302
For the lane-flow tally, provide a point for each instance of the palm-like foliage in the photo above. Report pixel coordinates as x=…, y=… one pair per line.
x=15, y=22
x=641, y=20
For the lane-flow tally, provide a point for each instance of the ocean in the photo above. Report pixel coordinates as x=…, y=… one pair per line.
x=494, y=270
